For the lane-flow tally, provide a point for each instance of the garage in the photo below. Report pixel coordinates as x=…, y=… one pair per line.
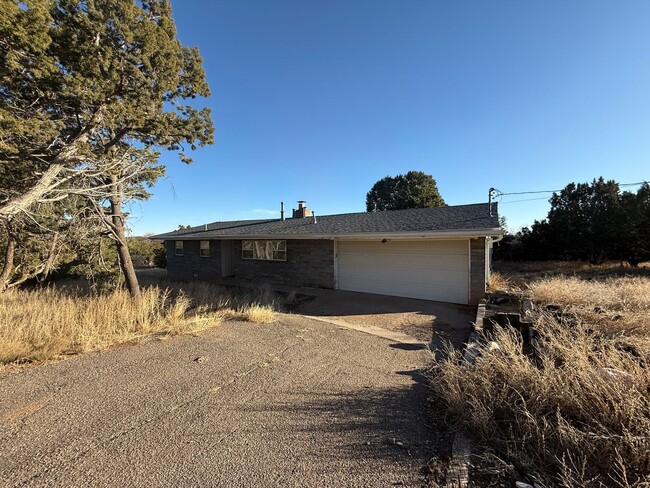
x=426, y=269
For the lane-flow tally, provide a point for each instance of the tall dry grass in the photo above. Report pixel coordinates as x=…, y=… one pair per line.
x=580, y=418
x=497, y=282
x=45, y=323
x=620, y=304
x=578, y=413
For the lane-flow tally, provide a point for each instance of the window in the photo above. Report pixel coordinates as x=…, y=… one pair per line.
x=205, y=249
x=264, y=250
x=179, y=248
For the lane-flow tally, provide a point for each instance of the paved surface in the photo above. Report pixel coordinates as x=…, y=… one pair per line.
x=294, y=403
x=427, y=321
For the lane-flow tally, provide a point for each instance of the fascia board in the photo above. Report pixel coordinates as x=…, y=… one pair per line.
x=455, y=234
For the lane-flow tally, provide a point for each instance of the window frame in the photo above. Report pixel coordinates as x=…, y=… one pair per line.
x=205, y=254
x=178, y=248
x=250, y=250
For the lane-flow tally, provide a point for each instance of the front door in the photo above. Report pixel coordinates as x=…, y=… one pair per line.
x=227, y=259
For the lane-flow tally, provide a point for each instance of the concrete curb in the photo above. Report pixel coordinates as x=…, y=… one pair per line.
x=461, y=451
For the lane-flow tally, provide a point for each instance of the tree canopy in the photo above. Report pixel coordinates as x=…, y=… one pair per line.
x=415, y=189
x=90, y=92
x=588, y=221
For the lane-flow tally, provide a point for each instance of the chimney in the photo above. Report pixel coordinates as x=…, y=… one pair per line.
x=282, y=210
x=302, y=211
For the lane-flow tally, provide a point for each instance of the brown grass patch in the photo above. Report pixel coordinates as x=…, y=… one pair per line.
x=577, y=414
x=580, y=418
x=497, y=282
x=45, y=323
x=258, y=314
x=613, y=305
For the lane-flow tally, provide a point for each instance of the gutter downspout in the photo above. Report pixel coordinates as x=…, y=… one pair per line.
x=491, y=241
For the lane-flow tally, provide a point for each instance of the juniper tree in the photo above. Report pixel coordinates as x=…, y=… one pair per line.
x=90, y=92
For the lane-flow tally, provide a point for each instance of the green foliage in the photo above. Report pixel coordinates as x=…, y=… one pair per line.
x=160, y=257
x=415, y=189
x=100, y=88
x=587, y=221
x=145, y=252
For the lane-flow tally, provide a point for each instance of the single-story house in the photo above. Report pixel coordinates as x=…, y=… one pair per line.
x=440, y=254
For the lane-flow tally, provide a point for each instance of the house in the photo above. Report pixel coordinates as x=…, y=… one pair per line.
x=437, y=254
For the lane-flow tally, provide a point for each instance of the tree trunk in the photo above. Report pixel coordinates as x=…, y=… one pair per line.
x=49, y=181
x=8, y=264
x=117, y=224
x=47, y=268
x=42, y=187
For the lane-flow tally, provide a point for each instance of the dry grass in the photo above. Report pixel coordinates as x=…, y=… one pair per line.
x=497, y=282
x=258, y=314
x=45, y=323
x=581, y=417
x=613, y=305
x=577, y=414
x=519, y=274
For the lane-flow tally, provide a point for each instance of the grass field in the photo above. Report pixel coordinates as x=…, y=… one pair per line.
x=579, y=414
x=50, y=322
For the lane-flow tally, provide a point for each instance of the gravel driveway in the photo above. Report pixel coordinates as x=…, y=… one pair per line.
x=294, y=403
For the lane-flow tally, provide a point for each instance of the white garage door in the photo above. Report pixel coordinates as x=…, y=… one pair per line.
x=431, y=270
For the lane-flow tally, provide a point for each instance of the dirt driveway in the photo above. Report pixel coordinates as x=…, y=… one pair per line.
x=298, y=402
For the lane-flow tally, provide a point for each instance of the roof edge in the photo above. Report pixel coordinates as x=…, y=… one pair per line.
x=496, y=231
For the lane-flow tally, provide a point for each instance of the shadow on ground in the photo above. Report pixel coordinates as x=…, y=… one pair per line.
x=397, y=425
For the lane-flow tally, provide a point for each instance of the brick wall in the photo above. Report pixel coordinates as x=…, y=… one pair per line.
x=191, y=265
x=309, y=262
x=477, y=266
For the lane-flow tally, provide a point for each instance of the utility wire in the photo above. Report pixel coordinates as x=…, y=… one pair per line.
x=526, y=192
x=499, y=193
x=525, y=200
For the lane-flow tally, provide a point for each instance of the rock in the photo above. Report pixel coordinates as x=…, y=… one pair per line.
x=200, y=359
x=493, y=346
x=616, y=375
x=527, y=306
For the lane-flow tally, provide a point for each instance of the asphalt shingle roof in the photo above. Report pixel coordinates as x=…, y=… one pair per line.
x=474, y=217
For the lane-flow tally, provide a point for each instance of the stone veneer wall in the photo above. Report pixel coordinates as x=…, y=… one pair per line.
x=478, y=273
x=191, y=265
x=310, y=262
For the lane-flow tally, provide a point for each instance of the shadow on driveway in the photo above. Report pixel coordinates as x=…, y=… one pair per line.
x=394, y=426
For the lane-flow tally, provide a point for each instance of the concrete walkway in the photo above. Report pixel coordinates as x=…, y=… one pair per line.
x=294, y=403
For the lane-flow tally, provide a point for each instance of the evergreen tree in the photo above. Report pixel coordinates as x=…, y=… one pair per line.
x=415, y=189
x=90, y=92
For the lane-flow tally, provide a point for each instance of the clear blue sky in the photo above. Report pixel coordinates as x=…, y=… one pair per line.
x=317, y=100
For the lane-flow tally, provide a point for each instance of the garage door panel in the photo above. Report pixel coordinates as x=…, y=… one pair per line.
x=432, y=270
x=393, y=274
x=439, y=262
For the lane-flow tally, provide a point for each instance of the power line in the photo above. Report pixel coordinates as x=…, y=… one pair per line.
x=526, y=192
x=525, y=200
x=499, y=193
